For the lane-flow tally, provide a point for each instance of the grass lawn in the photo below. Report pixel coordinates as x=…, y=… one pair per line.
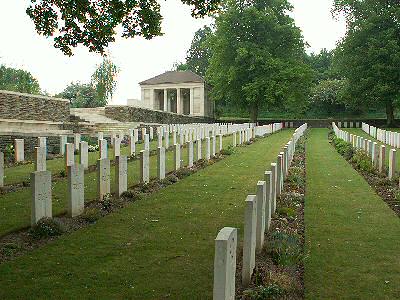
x=352, y=236
x=361, y=133
x=160, y=247
x=15, y=207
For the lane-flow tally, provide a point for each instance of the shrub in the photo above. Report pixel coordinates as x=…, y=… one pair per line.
x=9, y=249
x=285, y=249
x=228, y=151
x=296, y=177
x=46, y=227
x=131, y=196
x=362, y=161
x=91, y=215
x=271, y=291
x=287, y=212
x=107, y=202
x=345, y=149
x=183, y=172
x=63, y=173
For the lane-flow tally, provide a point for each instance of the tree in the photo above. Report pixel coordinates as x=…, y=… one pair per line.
x=199, y=53
x=258, y=57
x=321, y=63
x=93, y=23
x=327, y=96
x=104, y=81
x=80, y=95
x=18, y=81
x=369, y=55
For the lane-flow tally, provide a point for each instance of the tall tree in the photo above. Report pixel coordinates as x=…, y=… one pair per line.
x=321, y=63
x=369, y=55
x=93, y=23
x=80, y=95
x=199, y=53
x=104, y=80
x=258, y=57
x=18, y=81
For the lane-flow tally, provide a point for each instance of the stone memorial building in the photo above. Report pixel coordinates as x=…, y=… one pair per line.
x=181, y=92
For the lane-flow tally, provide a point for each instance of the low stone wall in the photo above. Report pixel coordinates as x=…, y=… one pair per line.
x=30, y=142
x=31, y=107
x=137, y=114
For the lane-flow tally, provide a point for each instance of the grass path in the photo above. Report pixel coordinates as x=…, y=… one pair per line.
x=160, y=247
x=352, y=237
x=15, y=207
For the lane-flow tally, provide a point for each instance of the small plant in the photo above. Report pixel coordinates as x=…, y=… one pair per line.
x=285, y=249
x=63, y=173
x=271, y=291
x=93, y=148
x=107, y=202
x=9, y=249
x=362, y=161
x=9, y=150
x=345, y=149
x=287, y=212
x=131, y=196
x=91, y=215
x=46, y=227
x=183, y=172
x=172, y=178
x=228, y=151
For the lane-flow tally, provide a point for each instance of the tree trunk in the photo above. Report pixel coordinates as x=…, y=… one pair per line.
x=389, y=114
x=253, y=112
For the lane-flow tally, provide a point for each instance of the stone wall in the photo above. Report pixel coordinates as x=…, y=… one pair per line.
x=31, y=107
x=30, y=142
x=137, y=114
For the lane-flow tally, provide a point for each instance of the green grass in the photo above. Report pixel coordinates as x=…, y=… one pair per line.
x=160, y=247
x=352, y=236
x=15, y=208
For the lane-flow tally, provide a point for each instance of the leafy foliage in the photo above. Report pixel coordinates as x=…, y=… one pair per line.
x=285, y=249
x=46, y=227
x=362, y=161
x=104, y=80
x=17, y=80
x=93, y=23
x=344, y=148
x=80, y=95
x=258, y=57
x=327, y=96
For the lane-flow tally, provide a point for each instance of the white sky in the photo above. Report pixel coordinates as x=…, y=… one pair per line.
x=138, y=59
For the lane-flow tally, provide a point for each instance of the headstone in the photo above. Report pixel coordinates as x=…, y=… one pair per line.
x=63, y=141
x=100, y=136
x=146, y=142
x=208, y=154
x=268, y=198
x=177, y=157
x=198, y=145
x=40, y=159
x=249, y=239
x=190, y=154
x=136, y=134
x=132, y=146
x=225, y=264
x=260, y=226
x=382, y=158
x=214, y=146
x=69, y=155
x=234, y=139
x=76, y=190
x=274, y=185
x=84, y=154
x=1, y=169
x=221, y=145
x=144, y=133
x=42, y=142
x=151, y=133
x=41, y=196
x=392, y=163
x=145, y=166
x=121, y=174
x=103, y=151
x=77, y=140
x=19, y=152
x=166, y=142
x=161, y=163
x=103, y=177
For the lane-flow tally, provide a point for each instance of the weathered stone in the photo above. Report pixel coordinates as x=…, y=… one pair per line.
x=166, y=142
x=144, y=166
x=41, y=196
x=76, y=190
x=19, y=151
x=103, y=177
x=260, y=226
x=208, y=150
x=151, y=133
x=274, y=186
x=225, y=264
x=63, y=141
x=146, y=142
x=190, y=153
x=249, y=239
x=1, y=169
x=103, y=149
x=84, y=154
x=268, y=198
x=69, y=155
x=382, y=158
x=132, y=146
x=161, y=163
x=177, y=157
x=136, y=134
x=121, y=174
x=198, y=145
x=42, y=142
x=77, y=140
x=40, y=159
x=392, y=163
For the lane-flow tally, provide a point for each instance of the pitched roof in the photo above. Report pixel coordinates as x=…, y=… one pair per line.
x=174, y=77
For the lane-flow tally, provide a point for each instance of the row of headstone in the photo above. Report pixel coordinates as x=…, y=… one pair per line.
x=384, y=136
x=259, y=209
x=376, y=153
x=349, y=124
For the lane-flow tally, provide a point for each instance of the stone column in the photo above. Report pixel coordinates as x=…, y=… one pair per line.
x=144, y=166
x=190, y=154
x=84, y=154
x=249, y=239
x=103, y=177
x=382, y=158
x=225, y=264
x=165, y=100
x=121, y=174
x=19, y=152
x=392, y=163
x=41, y=196
x=1, y=169
x=161, y=163
x=177, y=157
x=260, y=226
x=191, y=102
x=268, y=198
x=76, y=190
x=40, y=159
x=178, y=101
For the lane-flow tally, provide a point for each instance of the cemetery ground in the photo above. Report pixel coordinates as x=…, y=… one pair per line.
x=162, y=246
x=352, y=243
x=16, y=206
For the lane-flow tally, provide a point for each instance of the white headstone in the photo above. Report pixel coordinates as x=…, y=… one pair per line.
x=268, y=198
x=392, y=163
x=225, y=264
x=274, y=184
x=146, y=142
x=69, y=155
x=213, y=145
x=19, y=152
x=76, y=190
x=117, y=147
x=382, y=158
x=221, y=145
x=161, y=163
x=151, y=133
x=249, y=239
x=132, y=146
x=63, y=141
x=177, y=157
x=198, y=145
x=234, y=139
x=103, y=177
x=190, y=154
x=121, y=174
x=208, y=150
x=144, y=166
x=103, y=149
x=1, y=169
x=260, y=226
x=40, y=159
x=84, y=154
x=77, y=140
x=41, y=196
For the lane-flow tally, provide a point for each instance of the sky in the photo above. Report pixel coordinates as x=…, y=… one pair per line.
x=138, y=59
